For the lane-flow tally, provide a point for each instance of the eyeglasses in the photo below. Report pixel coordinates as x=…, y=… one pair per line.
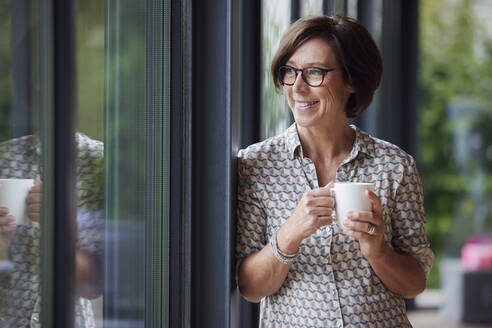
x=313, y=76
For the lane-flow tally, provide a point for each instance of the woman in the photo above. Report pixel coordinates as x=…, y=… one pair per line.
x=20, y=287
x=303, y=267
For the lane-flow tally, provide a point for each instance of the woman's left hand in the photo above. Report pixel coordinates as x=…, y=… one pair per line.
x=367, y=227
x=33, y=202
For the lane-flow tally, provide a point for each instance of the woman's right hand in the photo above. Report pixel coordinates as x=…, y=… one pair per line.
x=312, y=212
x=7, y=230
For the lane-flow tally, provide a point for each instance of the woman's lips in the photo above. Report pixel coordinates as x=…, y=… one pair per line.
x=306, y=105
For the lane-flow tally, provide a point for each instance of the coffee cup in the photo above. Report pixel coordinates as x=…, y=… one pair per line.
x=351, y=196
x=13, y=194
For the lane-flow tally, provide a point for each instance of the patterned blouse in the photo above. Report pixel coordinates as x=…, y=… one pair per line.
x=20, y=296
x=331, y=284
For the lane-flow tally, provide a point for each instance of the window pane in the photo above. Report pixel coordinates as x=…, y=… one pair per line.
x=311, y=8
x=122, y=158
x=24, y=96
x=136, y=159
x=275, y=112
x=90, y=18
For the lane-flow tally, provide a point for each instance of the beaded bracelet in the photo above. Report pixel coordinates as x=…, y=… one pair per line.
x=281, y=256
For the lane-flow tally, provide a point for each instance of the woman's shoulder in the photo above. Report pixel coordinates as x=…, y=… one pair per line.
x=386, y=151
x=268, y=148
x=89, y=147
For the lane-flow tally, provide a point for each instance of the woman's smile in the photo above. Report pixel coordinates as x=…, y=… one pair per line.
x=305, y=105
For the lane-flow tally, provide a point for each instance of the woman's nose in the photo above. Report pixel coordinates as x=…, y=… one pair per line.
x=299, y=84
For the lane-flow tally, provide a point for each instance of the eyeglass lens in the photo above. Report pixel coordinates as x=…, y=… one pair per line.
x=312, y=76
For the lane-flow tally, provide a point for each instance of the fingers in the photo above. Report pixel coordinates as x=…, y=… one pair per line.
x=322, y=192
x=324, y=201
x=6, y=219
x=33, y=197
x=375, y=202
x=33, y=201
x=7, y=224
x=37, y=187
x=34, y=212
x=358, y=226
x=4, y=210
x=330, y=185
x=360, y=223
x=319, y=197
x=319, y=212
x=364, y=217
x=325, y=220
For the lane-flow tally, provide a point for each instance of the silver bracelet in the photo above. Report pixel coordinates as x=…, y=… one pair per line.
x=281, y=256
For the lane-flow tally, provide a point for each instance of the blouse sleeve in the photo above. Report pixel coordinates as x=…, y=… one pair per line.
x=408, y=219
x=90, y=227
x=251, y=218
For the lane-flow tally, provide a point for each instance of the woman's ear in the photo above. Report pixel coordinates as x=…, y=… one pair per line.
x=349, y=88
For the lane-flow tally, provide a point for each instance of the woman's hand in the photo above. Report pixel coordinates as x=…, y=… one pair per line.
x=359, y=224
x=312, y=212
x=7, y=230
x=33, y=202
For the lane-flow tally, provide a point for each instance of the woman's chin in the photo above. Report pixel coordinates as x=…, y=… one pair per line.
x=306, y=122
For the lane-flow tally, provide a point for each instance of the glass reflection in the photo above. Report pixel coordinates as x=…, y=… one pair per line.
x=21, y=155
x=276, y=115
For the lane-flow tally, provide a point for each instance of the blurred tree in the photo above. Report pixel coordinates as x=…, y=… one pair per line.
x=455, y=88
x=90, y=67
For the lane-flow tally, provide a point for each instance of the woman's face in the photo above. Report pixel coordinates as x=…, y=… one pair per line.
x=312, y=106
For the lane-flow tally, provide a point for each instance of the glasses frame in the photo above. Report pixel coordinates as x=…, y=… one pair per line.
x=324, y=70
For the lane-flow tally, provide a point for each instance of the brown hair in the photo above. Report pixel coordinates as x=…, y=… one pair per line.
x=354, y=48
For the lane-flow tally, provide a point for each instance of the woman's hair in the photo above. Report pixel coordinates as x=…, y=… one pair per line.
x=354, y=48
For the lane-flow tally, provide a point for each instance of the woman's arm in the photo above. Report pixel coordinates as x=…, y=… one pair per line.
x=88, y=272
x=261, y=274
x=402, y=274
x=88, y=275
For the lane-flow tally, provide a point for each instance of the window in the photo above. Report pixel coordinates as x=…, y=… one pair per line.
x=101, y=243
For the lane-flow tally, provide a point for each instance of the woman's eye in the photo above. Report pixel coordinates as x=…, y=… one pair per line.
x=315, y=72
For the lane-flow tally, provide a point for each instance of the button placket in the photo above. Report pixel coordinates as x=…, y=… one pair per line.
x=332, y=287
x=309, y=172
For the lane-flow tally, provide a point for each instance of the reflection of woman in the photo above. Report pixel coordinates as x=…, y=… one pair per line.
x=305, y=269
x=20, y=293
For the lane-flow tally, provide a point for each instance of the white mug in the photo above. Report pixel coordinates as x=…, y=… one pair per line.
x=13, y=194
x=351, y=196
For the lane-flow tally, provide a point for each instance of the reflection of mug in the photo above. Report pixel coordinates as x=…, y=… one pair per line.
x=13, y=194
x=351, y=196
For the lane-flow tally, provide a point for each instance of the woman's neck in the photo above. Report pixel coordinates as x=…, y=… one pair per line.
x=326, y=143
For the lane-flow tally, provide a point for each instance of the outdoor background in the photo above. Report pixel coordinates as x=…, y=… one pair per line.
x=455, y=114
x=455, y=111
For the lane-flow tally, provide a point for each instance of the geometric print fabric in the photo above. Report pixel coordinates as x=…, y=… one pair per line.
x=20, y=293
x=331, y=284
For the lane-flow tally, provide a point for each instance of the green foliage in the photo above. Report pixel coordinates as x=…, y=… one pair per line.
x=90, y=67
x=456, y=74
